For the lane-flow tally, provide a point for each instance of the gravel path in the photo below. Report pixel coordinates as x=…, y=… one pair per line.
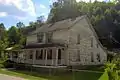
x=6, y=77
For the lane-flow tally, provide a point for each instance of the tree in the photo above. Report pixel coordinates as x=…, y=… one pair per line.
x=20, y=25
x=40, y=19
x=13, y=35
x=31, y=24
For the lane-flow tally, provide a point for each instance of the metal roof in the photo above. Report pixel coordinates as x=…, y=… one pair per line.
x=64, y=24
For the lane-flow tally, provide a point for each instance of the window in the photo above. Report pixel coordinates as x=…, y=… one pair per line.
x=31, y=56
x=40, y=37
x=98, y=57
x=39, y=54
x=49, y=37
x=78, y=39
x=15, y=55
x=78, y=55
x=97, y=45
x=49, y=54
x=8, y=56
x=92, y=57
x=91, y=42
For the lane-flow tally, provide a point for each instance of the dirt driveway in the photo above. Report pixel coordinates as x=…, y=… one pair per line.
x=6, y=77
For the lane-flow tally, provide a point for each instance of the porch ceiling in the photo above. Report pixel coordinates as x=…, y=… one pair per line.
x=38, y=45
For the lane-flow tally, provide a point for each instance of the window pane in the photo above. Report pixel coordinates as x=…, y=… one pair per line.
x=40, y=37
x=91, y=42
x=78, y=39
x=49, y=37
x=92, y=57
x=98, y=57
x=78, y=55
x=30, y=54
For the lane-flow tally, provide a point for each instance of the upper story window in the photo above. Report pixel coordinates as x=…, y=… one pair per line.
x=49, y=37
x=40, y=37
x=78, y=39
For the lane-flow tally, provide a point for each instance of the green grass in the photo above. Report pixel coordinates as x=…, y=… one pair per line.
x=64, y=76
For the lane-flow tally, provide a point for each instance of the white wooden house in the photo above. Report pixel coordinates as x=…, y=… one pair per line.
x=64, y=43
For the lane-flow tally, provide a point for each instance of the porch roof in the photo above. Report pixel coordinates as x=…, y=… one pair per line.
x=38, y=45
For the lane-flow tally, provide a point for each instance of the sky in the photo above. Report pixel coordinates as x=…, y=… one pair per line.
x=13, y=11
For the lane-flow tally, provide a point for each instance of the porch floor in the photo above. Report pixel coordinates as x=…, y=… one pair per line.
x=49, y=66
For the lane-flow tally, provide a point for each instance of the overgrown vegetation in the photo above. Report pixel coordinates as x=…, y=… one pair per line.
x=112, y=69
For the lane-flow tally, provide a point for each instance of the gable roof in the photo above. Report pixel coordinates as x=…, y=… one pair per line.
x=64, y=24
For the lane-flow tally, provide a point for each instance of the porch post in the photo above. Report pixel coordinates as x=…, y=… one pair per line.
x=34, y=56
x=46, y=57
x=56, y=57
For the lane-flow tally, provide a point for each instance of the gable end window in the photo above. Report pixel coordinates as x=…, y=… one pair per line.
x=78, y=39
x=91, y=42
x=97, y=45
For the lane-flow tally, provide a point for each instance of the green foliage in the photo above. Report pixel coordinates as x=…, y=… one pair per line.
x=112, y=70
x=104, y=76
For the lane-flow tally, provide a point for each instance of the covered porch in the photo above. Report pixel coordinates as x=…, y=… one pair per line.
x=42, y=56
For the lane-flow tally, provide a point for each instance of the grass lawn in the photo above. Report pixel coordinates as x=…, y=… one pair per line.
x=64, y=76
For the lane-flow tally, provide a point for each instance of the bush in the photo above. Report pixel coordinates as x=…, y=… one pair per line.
x=8, y=64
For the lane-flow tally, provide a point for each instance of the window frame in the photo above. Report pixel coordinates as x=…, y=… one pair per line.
x=49, y=37
x=98, y=57
x=40, y=37
x=91, y=41
x=78, y=39
x=78, y=54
